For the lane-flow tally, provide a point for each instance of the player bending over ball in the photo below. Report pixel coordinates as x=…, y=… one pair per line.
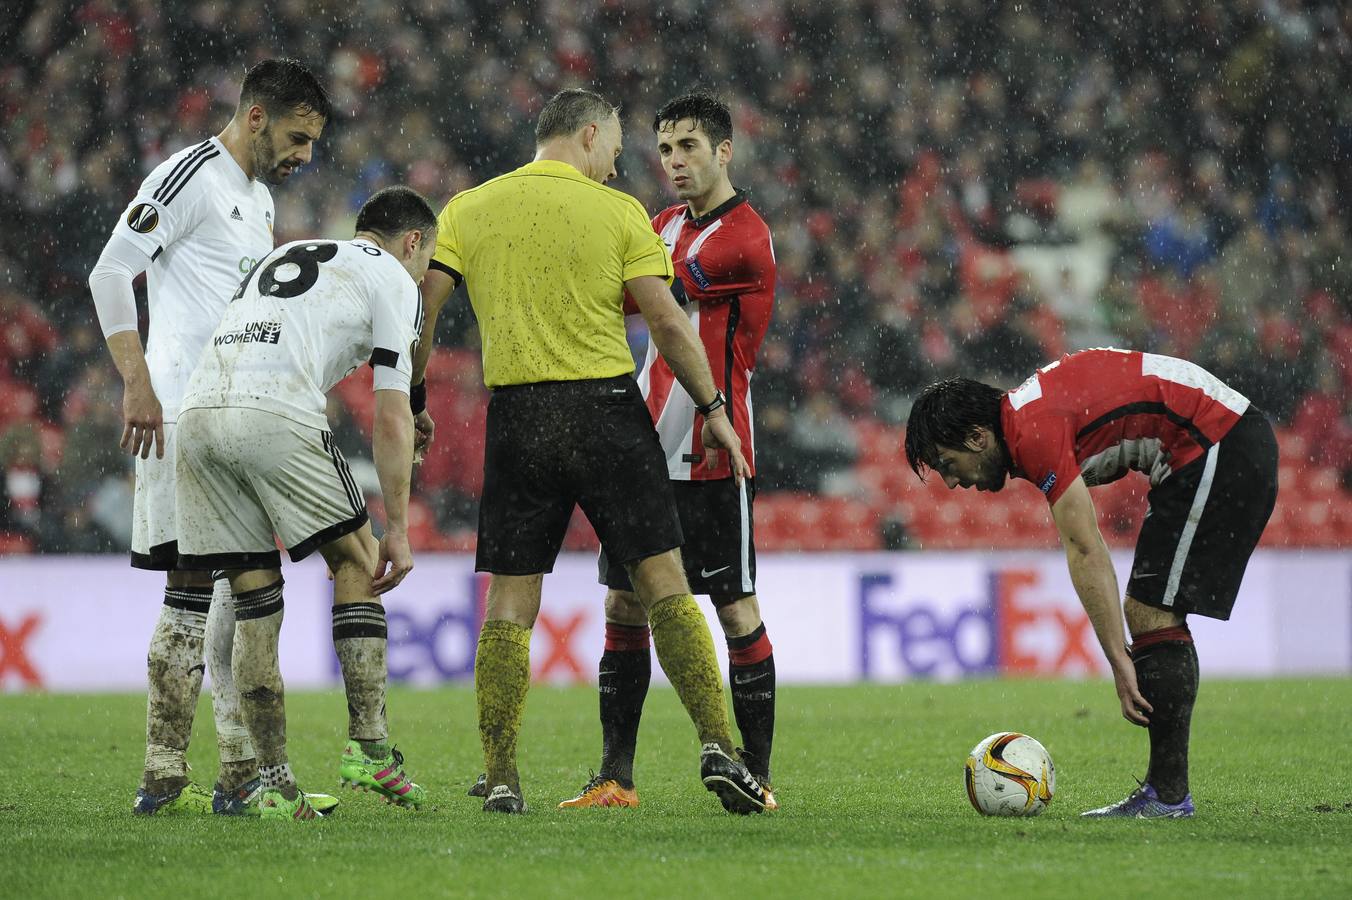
x=255, y=458
x=1086, y=420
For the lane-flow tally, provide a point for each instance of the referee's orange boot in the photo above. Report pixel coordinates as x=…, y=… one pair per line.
x=602, y=791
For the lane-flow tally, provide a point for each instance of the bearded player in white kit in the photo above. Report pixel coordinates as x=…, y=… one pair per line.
x=255, y=459
x=198, y=223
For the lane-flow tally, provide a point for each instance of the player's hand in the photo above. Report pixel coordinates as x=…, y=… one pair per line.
x=1134, y=706
x=142, y=421
x=423, y=430
x=718, y=434
x=395, y=556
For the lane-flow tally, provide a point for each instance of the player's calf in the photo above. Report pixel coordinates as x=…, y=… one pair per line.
x=174, y=664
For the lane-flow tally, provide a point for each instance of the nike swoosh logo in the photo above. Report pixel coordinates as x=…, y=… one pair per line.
x=705, y=573
x=738, y=679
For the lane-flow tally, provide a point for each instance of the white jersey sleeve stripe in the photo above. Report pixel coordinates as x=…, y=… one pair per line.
x=182, y=164
x=183, y=182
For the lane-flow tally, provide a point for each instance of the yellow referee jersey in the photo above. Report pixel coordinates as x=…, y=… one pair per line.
x=545, y=252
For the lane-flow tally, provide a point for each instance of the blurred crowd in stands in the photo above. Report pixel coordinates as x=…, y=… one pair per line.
x=953, y=187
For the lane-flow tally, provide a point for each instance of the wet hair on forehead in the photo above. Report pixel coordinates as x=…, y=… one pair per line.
x=708, y=113
x=395, y=210
x=283, y=86
x=569, y=110
x=945, y=415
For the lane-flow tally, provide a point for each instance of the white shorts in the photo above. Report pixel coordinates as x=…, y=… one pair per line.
x=245, y=475
x=154, y=528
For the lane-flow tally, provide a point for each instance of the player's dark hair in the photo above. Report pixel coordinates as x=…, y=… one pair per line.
x=569, y=110
x=283, y=86
x=710, y=115
x=392, y=211
x=945, y=414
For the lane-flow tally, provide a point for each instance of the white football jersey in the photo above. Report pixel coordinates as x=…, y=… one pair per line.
x=204, y=224
x=305, y=319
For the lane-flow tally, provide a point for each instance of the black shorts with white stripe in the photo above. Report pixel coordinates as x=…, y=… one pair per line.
x=1205, y=521
x=720, y=539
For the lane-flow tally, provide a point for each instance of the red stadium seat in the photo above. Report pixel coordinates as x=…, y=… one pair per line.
x=879, y=445
x=18, y=403
x=1291, y=448
x=14, y=544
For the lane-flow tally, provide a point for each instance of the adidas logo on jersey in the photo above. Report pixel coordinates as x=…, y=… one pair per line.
x=234, y=214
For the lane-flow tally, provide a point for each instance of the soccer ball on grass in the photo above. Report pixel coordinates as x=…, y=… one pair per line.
x=1010, y=774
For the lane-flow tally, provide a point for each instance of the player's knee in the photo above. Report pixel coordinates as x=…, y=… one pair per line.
x=659, y=576
x=623, y=608
x=183, y=578
x=739, y=614
x=514, y=598
x=242, y=581
x=356, y=551
x=1142, y=618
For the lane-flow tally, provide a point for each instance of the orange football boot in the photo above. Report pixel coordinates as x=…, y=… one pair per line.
x=600, y=791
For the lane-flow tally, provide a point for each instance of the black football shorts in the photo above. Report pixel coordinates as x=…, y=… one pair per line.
x=555, y=445
x=720, y=539
x=1204, y=522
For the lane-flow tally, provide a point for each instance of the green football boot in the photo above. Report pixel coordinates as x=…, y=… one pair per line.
x=385, y=777
x=272, y=805
x=243, y=801
x=190, y=800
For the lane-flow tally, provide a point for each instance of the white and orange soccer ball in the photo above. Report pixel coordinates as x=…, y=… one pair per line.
x=1010, y=774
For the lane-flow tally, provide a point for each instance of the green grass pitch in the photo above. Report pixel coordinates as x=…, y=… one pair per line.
x=869, y=779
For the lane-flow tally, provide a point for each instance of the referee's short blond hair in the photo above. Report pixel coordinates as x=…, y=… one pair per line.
x=569, y=110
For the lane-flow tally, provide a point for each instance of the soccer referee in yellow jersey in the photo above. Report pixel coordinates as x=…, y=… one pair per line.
x=547, y=253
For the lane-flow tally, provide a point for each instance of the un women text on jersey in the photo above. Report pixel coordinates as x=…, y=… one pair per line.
x=306, y=317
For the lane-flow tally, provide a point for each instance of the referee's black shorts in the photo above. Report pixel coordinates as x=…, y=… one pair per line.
x=720, y=540
x=553, y=445
x=1204, y=522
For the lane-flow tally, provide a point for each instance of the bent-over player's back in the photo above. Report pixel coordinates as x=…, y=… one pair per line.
x=1103, y=412
x=307, y=317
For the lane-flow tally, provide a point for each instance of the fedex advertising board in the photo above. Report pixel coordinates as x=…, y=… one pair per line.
x=83, y=623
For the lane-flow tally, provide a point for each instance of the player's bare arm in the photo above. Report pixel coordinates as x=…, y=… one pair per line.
x=1091, y=571
x=392, y=447
x=142, y=417
x=675, y=338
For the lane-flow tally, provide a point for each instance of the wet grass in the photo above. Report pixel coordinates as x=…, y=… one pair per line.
x=869, y=779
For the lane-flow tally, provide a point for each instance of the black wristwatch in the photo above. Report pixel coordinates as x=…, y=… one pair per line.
x=719, y=400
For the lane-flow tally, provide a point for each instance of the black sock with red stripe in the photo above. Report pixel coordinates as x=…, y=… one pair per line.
x=1166, y=673
x=751, y=671
x=625, y=671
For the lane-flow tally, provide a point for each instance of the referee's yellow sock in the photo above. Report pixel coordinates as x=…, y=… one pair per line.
x=686, y=652
x=501, y=679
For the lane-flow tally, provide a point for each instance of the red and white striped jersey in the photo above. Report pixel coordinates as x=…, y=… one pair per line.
x=1101, y=413
x=725, y=279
